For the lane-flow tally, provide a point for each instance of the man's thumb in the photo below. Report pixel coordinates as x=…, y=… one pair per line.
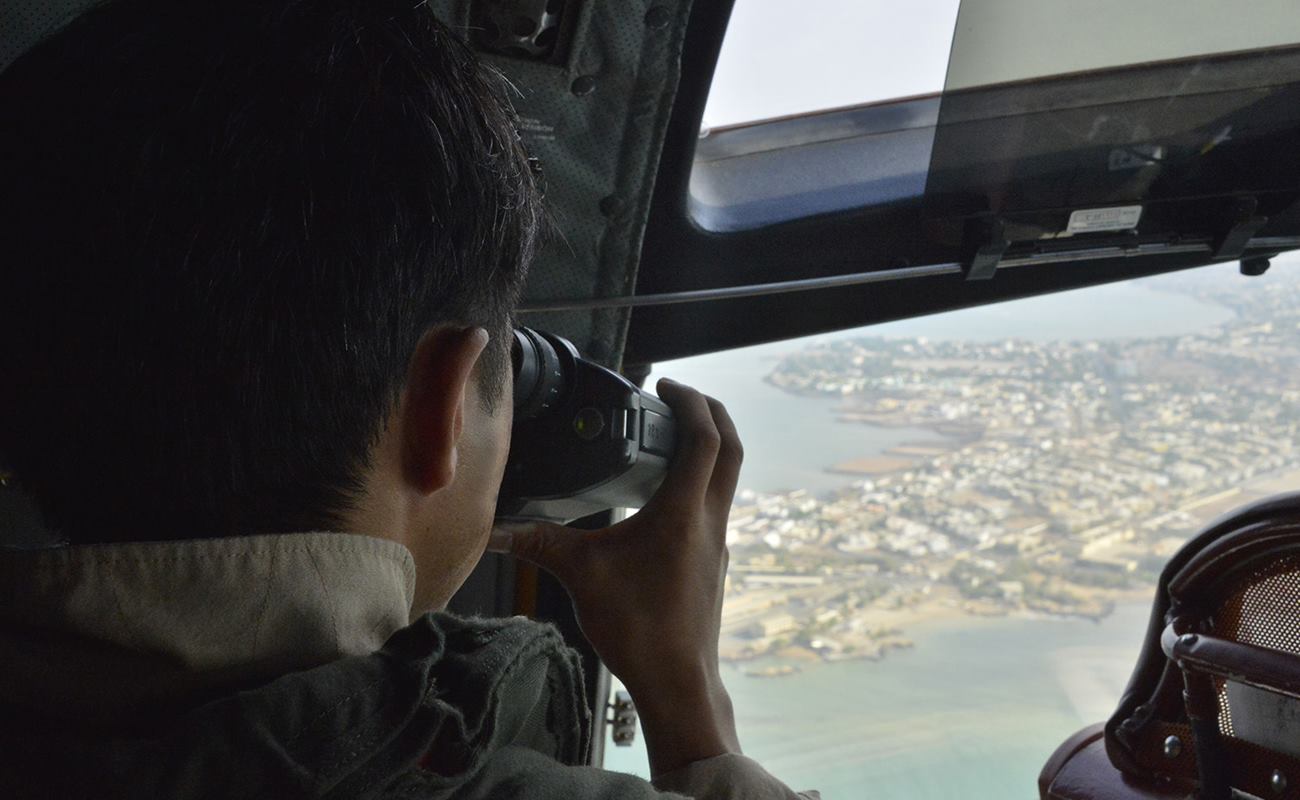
x=549, y=546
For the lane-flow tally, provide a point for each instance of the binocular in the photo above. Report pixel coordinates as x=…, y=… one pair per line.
x=585, y=439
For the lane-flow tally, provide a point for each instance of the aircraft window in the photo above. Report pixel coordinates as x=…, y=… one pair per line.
x=949, y=528
x=816, y=113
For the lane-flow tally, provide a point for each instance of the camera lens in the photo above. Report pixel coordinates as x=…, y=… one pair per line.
x=543, y=364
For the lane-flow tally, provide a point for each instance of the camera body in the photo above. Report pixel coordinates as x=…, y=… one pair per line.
x=585, y=439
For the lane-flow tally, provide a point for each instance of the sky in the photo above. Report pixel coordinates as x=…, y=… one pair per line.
x=780, y=58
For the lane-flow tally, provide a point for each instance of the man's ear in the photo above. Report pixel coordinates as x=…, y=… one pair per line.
x=441, y=376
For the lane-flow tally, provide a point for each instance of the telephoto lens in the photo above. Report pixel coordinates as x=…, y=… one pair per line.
x=585, y=439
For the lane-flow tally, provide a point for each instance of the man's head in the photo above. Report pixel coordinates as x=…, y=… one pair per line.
x=246, y=248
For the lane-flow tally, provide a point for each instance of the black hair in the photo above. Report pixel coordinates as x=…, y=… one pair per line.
x=224, y=227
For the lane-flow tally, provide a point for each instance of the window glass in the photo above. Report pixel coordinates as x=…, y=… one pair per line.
x=997, y=41
x=779, y=59
x=949, y=528
x=902, y=126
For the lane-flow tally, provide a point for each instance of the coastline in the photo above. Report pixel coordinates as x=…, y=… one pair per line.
x=903, y=456
x=907, y=627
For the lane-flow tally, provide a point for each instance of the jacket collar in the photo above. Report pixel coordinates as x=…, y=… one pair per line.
x=243, y=667
x=112, y=626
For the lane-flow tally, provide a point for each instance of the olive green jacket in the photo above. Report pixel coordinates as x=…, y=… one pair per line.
x=285, y=667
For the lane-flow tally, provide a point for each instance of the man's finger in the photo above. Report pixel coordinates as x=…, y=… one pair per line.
x=698, y=443
x=554, y=548
x=726, y=469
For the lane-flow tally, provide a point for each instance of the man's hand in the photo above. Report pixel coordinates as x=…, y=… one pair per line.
x=648, y=591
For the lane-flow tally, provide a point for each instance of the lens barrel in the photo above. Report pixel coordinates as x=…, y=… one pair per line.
x=543, y=366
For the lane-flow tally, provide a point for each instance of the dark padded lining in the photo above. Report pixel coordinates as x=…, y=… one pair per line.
x=26, y=23
x=599, y=153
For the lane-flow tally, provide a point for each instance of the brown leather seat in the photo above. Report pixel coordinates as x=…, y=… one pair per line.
x=1214, y=702
x=1081, y=769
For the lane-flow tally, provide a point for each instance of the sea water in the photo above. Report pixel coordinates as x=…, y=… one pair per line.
x=972, y=712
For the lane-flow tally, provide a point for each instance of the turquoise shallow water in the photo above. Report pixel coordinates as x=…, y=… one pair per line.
x=972, y=712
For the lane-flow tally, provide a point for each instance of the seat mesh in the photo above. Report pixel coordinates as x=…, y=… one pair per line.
x=1262, y=609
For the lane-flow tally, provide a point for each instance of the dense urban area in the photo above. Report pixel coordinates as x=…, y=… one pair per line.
x=1059, y=478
